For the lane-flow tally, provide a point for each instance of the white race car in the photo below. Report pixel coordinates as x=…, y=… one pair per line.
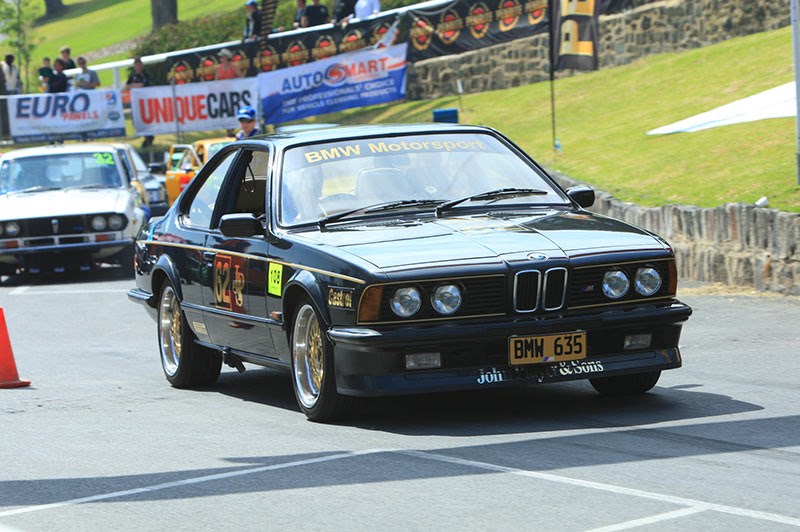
x=68, y=207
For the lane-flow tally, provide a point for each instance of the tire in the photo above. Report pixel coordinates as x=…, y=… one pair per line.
x=635, y=384
x=186, y=364
x=313, y=377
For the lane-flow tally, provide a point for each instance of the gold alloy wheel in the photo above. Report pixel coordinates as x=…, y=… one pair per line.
x=170, y=325
x=308, y=353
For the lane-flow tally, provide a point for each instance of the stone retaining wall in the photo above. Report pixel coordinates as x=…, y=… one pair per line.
x=737, y=244
x=652, y=28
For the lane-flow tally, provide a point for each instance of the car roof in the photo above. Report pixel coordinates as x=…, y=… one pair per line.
x=61, y=148
x=336, y=133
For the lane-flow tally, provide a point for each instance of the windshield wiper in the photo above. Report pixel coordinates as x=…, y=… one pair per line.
x=492, y=195
x=37, y=188
x=377, y=207
x=81, y=187
x=402, y=204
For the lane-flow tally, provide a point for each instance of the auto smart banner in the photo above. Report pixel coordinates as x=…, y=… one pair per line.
x=66, y=116
x=191, y=107
x=355, y=79
x=465, y=25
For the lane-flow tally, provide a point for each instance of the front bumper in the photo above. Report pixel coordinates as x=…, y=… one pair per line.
x=58, y=257
x=371, y=362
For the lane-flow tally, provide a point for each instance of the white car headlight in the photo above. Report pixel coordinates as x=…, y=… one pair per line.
x=615, y=284
x=115, y=222
x=406, y=301
x=12, y=229
x=446, y=299
x=648, y=281
x=99, y=223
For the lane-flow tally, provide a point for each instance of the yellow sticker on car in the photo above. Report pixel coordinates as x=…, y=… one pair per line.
x=275, y=279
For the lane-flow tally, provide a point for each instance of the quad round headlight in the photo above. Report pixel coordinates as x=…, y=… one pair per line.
x=446, y=299
x=406, y=301
x=615, y=284
x=99, y=223
x=12, y=229
x=648, y=281
x=115, y=222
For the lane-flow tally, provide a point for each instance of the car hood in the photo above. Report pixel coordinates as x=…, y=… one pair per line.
x=485, y=239
x=62, y=203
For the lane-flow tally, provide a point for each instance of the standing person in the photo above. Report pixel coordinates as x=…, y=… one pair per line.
x=316, y=14
x=367, y=8
x=298, y=13
x=11, y=75
x=252, y=26
x=343, y=11
x=247, y=123
x=87, y=79
x=227, y=69
x=68, y=62
x=58, y=81
x=138, y=79
x=45, y=73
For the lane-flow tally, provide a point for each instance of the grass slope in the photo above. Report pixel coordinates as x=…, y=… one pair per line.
x=602, y=118
x=91, y=25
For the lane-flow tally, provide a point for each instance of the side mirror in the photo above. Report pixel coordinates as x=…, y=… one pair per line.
x=157, y=168
x=240, y=225
x=582, y=195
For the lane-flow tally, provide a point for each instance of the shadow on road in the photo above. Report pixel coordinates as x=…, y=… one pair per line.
x=551, y=407
x=264, y=474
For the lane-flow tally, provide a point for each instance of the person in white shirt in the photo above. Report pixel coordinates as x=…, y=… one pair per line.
x=87, y=79
x=11, y=75
x=367, y=8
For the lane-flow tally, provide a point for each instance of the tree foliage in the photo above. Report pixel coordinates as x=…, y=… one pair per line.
x=16, y=24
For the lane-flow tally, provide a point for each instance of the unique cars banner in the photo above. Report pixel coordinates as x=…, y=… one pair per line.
x=191, y=107
x=66, y=116
x=355, y=79
x=281, y=50
x=574, y=34
x=465, y=25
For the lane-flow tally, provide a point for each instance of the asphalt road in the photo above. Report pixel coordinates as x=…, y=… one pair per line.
x=100, y=441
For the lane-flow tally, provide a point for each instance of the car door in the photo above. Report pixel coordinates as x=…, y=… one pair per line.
x=236, y=311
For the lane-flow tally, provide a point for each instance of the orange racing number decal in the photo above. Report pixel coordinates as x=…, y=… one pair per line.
x=229, y=283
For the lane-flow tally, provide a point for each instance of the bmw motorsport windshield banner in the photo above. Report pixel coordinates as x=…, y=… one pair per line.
x=66, y=116
x=355, y=79
x=191, y=107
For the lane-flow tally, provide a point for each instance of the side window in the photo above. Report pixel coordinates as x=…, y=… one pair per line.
x=201, y=208
x=251, y=190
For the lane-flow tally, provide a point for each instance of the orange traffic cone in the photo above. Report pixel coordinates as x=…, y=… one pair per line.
x=9, y=378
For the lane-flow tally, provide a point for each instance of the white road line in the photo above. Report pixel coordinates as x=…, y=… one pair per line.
x=186, y=482
x=67, y=292
x=675, y=514
x=753, y=514
x=19, y=290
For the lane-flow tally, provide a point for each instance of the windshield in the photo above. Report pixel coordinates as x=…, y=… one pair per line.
x=59, y=171
x=323, y=179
